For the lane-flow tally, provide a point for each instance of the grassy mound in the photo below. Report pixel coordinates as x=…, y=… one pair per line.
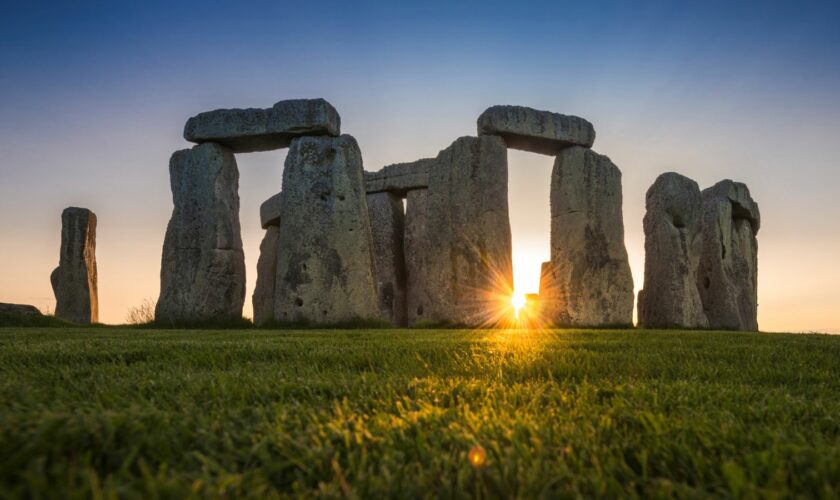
x=414, y=413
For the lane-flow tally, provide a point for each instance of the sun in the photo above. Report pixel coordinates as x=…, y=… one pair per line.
x=518, y=302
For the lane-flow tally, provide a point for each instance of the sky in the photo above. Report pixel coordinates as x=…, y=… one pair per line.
x=94, y=96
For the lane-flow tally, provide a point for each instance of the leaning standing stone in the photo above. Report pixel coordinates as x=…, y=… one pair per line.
x=387, y=228
x=672, y=255
x=325, y=259
x=74, y=281
x=728, y=277
x=589, y=282
x=536, y=131
x=202, y=277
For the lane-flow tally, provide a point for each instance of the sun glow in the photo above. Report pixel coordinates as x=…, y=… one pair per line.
x=518, y=302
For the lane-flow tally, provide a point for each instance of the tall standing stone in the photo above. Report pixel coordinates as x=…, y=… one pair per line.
x=457, y=238
x=74, y=281
x=202, y=276
x=728, y=276
x=673, y=243
x=263, y=298
x=387, y=221
x=588, y=281
x=325, y=270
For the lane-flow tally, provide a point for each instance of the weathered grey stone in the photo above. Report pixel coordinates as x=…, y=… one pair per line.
x=202, y=277
x=387, y=224
x=457, y=238
x=399, y=178
x=588, y=281
x=246, y=130
x=263, y=298
x=325, y=259
x=270, y=211
x=536, y=131
x=74, y=281
x=672, y=255
x=728, y=276
x=13, y=313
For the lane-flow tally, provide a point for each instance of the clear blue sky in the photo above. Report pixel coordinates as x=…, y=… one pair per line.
x=94, y=95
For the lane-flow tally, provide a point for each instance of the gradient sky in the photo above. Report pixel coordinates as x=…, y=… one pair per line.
x=94, y=96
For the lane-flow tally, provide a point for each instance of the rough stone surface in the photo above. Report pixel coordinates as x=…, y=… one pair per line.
x=74, y=281
x=263, y=298
x=202, y=277
x=15, y=312
x=246, y=130
x=673, y=244
x=325, y=260
x=588, y=281
x=728, y=275
x=399, y=178
x=270, y=211
x=457, y=237
x=537, y=131
x=387, y=224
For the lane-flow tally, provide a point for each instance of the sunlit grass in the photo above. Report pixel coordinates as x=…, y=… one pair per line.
x=417, y=413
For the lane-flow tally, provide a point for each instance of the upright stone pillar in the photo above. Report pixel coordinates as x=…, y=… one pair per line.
x=202, y=278
x=458, y=241
x=325, y=270
x=388, y=227
x=728, y=276
x=74, y=281
x=588, y=281
x=673, y=244
x=263, y=298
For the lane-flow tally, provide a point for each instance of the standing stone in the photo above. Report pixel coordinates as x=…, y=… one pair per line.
x=457, y=238
x=536, y=131
x=325, y=260
x=254, y=129
x=589, y=282
x=202, y=277
x=74, y=281
x=673, y=243
x=387, y=228
x=728, y=277
x=263, y=298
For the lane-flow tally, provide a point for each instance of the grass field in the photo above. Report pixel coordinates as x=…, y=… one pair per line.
x=385, y=413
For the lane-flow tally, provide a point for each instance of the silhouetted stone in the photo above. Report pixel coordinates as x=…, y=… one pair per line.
x=246, y=130
x=11, y=314
x=457, y=238
x=387, y=224
x=325, y=259
x=74, y=281
x=202, y=276
x=399, y=178
x=263, y=298
x=672, y=255
x=728, y=276
x=270, y=211
x=588, y=281
x=536, y=131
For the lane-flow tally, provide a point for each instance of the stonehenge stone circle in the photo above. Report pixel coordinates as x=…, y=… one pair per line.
x=325, y=259
x=247, y=130
x=673, y=243
x=536, y=131
x=457, y=237
x=588, y=281
x=387, y=221
x=202, y=275
x=74, y=281
x=728, y=275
